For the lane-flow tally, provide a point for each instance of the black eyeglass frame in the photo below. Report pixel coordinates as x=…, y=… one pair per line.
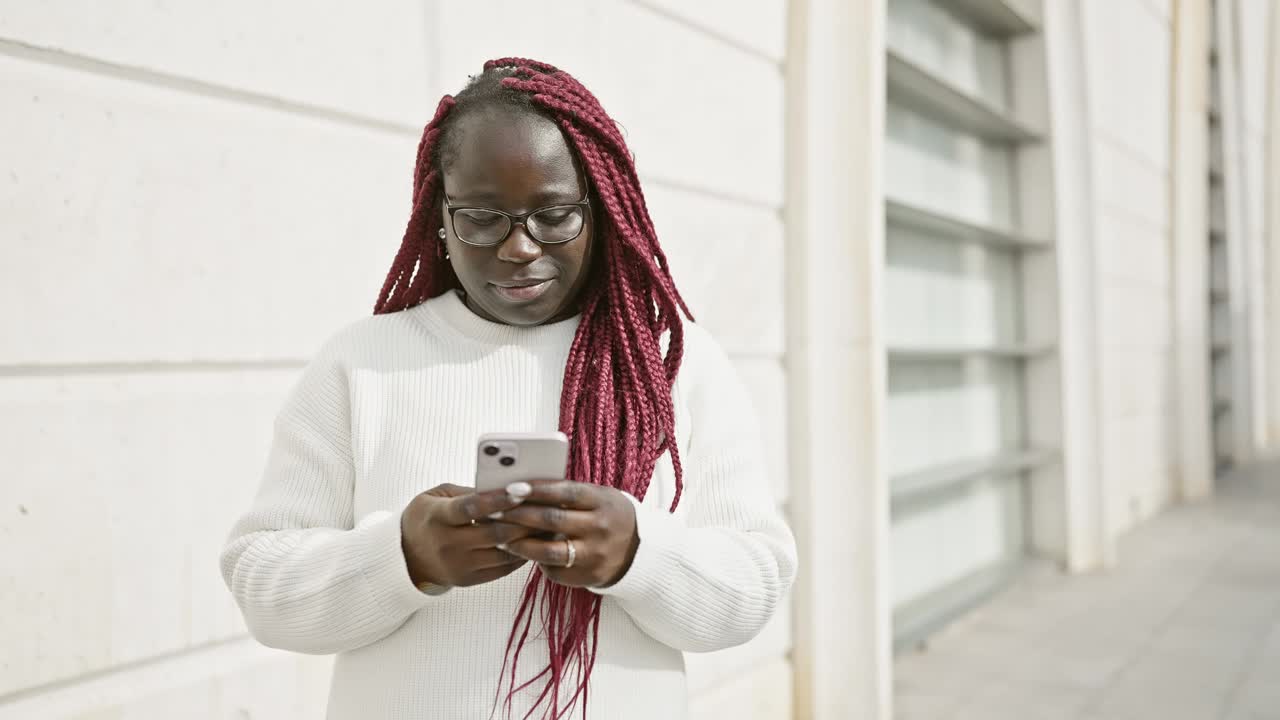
x=513, y=220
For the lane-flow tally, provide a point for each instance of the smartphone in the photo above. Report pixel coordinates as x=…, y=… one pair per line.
x=504, y=458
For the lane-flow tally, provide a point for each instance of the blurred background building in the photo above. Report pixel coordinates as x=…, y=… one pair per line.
x=1005, y=275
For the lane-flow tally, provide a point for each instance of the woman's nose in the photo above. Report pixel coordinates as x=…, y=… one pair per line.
x=519, y=247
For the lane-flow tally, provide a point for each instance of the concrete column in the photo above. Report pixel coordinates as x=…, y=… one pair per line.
x=1272, y=219
x=1189, y=211
x=1087, y=538
x=835, y=357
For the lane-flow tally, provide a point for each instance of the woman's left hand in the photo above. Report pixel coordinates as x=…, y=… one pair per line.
x=599, y=521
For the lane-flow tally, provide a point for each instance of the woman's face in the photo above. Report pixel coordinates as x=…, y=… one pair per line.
x=516, y=162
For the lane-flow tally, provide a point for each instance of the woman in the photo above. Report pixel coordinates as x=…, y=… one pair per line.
x=529, y=294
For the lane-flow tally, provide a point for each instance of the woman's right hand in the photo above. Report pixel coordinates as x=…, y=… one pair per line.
x=448, y=538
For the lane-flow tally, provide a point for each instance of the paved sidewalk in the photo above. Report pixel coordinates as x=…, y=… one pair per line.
x=1186, y=628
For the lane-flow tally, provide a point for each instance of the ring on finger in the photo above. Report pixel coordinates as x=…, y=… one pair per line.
x=573, y=553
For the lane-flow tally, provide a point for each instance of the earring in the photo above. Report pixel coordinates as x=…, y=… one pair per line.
x=441, y=233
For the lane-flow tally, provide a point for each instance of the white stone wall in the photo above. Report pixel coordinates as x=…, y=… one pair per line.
x=1128, y=75
x=1128, y=55
x=1254, y=30
x=195, y=195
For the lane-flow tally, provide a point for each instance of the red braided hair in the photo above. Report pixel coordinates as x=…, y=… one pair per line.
x=616, y=404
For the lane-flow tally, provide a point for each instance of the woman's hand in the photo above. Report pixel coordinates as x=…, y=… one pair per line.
x=448, y=538
x=599, y=521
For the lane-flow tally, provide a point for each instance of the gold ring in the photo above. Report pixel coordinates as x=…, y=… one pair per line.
x=573, y=553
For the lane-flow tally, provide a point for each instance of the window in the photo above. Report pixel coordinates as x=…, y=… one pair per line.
x=957, y=235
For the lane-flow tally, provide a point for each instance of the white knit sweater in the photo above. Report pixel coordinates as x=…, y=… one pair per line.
x=393, y=405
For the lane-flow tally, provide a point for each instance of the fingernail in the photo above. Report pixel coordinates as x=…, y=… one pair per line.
x=519, y=490
x=495, y=515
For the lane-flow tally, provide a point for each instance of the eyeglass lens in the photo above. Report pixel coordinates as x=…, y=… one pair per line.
x=549, y=225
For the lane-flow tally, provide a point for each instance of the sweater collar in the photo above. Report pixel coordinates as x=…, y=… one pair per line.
x=451, y=311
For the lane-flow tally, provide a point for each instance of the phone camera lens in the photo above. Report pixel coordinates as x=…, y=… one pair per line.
x=508, y=461
x=490, y=450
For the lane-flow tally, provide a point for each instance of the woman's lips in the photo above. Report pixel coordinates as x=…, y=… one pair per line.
x=522, y=293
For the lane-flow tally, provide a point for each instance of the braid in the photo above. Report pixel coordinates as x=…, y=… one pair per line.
x=419, y=272
x=616, y=403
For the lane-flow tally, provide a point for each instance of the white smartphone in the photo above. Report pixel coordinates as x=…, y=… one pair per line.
x=504, y=458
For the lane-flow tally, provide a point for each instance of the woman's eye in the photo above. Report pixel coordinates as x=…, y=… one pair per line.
x=480, y=217
x=554, y=217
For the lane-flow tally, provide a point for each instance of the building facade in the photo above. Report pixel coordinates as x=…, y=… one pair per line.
x=1004, y=276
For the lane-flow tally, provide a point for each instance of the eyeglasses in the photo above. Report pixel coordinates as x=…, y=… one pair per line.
x=550, y=225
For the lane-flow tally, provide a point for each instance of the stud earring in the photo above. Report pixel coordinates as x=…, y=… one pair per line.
x=441, y=233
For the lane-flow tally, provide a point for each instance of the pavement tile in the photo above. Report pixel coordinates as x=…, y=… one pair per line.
x=1186, y=628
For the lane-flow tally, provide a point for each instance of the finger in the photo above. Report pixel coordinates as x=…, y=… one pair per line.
x=566, y=494
x=450, y=490
x=479, y=505
x=491, y=534
x=518, y=492
x=490, y=574
x=546, y=552
x=552, y=518
x=495, y=558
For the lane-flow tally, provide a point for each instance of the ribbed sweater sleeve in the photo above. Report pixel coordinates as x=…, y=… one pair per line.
x=307, y=576
x=712, y=576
